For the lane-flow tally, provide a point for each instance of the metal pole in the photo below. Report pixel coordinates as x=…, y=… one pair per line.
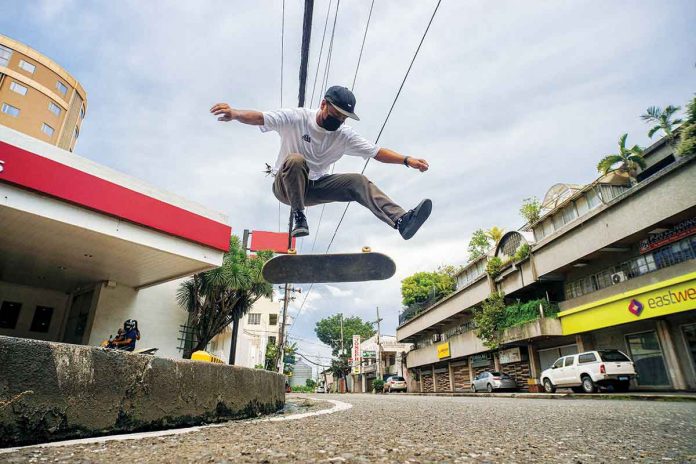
x=379, y=347
x=286, y=299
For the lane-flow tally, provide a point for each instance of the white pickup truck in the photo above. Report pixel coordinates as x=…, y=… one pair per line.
x=586, y=372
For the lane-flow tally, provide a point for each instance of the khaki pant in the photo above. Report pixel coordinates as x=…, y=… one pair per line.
x=293, y=187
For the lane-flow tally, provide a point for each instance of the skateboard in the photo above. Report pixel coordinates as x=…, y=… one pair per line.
x=340, y=267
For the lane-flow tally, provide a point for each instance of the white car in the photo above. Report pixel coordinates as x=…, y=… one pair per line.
x=395, y=383
x=586, y=372
x=319, y=389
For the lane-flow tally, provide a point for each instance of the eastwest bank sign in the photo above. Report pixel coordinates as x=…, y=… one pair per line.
x=666, y=297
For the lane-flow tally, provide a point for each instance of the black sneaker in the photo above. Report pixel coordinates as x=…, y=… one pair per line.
x=409, y=223
x=300, y=229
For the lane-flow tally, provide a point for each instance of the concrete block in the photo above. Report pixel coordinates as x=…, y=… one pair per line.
x=54, y=391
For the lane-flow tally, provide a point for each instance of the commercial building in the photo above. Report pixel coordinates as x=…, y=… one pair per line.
x=380, y=358
x=38, y=97
x=611, y=264
x=300, y=374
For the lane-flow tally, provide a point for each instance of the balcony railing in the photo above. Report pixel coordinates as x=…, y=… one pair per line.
x=415, y=309
x=661, y=258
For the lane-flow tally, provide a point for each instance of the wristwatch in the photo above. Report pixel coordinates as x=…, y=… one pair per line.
x=406, y=158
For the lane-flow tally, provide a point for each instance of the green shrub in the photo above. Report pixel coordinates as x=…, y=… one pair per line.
x=378, y=385
x=531, y=209
x=522, y=252
x=302, y=389
x=494, y=267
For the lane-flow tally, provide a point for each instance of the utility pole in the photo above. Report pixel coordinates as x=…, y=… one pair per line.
x=342, y=354
x=281, y=333
x=379, y=347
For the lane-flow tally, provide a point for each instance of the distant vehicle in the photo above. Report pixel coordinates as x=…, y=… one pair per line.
x=587, y=372
x=395, y=383
x=491, y=381
x=319, y=389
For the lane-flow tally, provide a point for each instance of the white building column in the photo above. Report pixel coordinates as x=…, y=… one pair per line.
x=671, y=360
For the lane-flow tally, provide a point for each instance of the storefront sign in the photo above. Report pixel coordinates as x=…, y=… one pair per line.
x=481, y=360
x=666, y=297
x=443, y=350
x=369, y=354
x=678, y=232
x=356, y=354
x=510, y=355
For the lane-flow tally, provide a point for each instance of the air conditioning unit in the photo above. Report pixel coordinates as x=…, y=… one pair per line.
x=436, y=338
x=618, y=277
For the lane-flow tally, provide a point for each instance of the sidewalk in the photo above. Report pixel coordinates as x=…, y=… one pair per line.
x=637, y=395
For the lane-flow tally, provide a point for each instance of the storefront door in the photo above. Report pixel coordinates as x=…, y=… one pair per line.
x=689, y=332
x=648, y=359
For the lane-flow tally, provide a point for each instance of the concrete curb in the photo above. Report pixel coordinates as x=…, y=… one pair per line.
x=56, y=391
x=674, y=397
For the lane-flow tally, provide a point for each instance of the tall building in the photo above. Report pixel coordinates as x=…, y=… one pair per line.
x=38, y=97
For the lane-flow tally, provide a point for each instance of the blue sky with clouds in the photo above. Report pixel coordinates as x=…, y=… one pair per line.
x=505, y=99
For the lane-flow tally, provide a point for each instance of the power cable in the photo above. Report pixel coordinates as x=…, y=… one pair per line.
x=321, y=51
x=367, y=26
x=398, y=93
x=282, y=61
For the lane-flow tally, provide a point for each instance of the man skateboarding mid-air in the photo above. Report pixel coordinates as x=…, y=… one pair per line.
x=312, y=140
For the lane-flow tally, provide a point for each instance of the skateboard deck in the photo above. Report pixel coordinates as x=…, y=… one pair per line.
x=342, y=267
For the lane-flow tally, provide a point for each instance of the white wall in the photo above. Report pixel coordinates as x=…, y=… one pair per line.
x=30, y=297
x=156, y=310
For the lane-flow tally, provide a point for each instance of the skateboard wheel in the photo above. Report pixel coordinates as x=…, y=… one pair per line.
x=366, y=249
x=292, y=251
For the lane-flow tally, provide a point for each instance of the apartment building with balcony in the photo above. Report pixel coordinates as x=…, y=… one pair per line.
x=610, y=264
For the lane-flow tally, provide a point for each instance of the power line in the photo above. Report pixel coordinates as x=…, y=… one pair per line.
x=388, y=114
x=367, y=26
x=321, y=50
x=282, y=61
x=398, y=93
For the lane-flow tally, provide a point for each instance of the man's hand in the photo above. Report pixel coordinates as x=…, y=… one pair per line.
x=418, y=163
x=224, y=111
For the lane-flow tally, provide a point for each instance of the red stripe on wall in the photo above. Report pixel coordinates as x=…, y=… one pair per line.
x=44, y=175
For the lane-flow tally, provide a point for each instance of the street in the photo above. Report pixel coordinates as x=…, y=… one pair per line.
x=403, y=428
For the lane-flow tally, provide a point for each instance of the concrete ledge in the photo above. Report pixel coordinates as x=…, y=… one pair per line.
x=639, y=396
x=55, y=391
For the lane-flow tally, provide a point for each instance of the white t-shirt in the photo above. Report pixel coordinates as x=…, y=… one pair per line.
x=300, y=133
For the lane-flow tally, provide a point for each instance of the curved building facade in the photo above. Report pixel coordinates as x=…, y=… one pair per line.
x=38, y=97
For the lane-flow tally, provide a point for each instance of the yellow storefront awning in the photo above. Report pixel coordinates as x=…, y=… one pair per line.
x=666, y=297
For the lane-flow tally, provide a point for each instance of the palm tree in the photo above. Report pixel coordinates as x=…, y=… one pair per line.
x=662, y=120
x=628, y=160
x=495, y=233
x=214, y=299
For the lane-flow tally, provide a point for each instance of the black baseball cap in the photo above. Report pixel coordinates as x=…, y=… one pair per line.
x=343, y=100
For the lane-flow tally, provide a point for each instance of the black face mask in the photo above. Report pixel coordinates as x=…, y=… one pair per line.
x=330, y=123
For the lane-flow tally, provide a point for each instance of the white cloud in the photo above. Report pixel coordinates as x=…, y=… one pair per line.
x=338, y=292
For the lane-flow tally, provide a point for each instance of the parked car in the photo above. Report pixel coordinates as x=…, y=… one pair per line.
x=491, y=381
x=395, y=383
x=319, y=389
x=588, y=371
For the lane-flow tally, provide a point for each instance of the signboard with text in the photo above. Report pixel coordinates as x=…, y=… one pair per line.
x=443, y=350
x=510, y=355
x=356, y=354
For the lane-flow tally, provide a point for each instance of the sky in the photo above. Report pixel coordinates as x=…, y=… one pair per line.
x=504, y=100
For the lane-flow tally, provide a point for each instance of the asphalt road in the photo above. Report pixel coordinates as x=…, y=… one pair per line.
x=399, y=428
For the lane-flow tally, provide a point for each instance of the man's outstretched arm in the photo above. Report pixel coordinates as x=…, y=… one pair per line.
x=226, y=113
x=386, y=155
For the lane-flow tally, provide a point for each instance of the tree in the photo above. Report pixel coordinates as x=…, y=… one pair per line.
x=490, y=319
x=311, y=383
x=628, y=160
x=428, y=286
x=328, y=331
x=662, y=120
x=478, y=245
x=687, y=144
x=531, y=209
x=214, y=299
x=495, y=233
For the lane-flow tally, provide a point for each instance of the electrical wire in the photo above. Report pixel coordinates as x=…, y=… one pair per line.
x=398, y=93
x=367, y=26
x=321, y=51
x=282, y=61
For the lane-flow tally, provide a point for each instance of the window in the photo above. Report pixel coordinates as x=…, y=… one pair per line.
x=42, y=319
x=614, y=355
x=9, y=109
x=19, y=88
x=592, y=198
x=254, y=318
x=61, y=87
x=77, y=133
x=569, y=361
x=9, y=313
x=28, y=67
x=82, y=113
x=271, y=340
x=558, y=363
x=46, y=129
x=273, y=319
x=569, y=213
x=53, y=108
x=5, y=54
x=587, y=358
